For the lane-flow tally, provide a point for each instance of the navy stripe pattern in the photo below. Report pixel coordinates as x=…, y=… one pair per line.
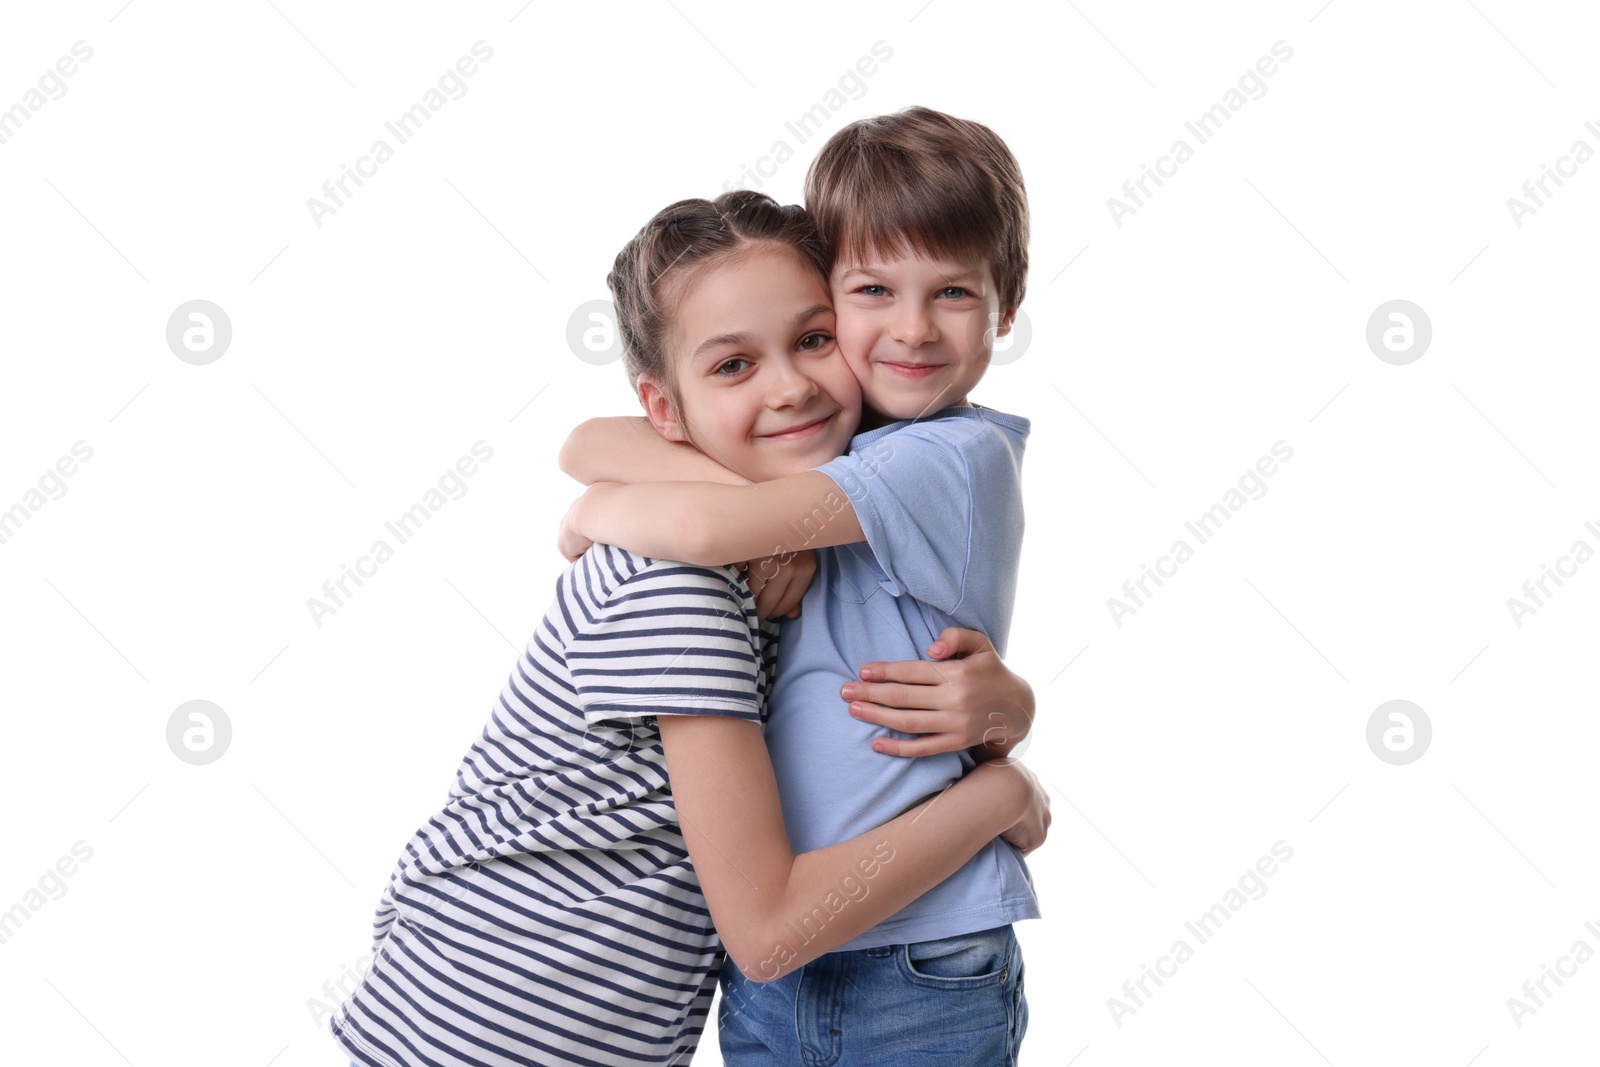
x=548, y=913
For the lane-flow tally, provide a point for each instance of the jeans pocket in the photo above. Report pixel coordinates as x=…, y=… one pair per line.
x=966, y=961
x=1019, y=1009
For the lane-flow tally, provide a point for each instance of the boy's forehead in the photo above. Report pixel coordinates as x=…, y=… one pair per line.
x=909, y=257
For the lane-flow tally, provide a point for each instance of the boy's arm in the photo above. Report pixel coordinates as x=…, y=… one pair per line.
x=971, y=700
x=709, y=525
x=626, y=448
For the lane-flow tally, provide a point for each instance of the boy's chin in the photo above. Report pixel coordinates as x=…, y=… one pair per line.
x=910, y=404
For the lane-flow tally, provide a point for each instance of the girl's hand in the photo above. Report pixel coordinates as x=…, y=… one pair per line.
x=779, y=585
x=966, y=698
x=1029, y=832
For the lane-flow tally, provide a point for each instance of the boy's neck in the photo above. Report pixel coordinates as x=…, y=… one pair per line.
x=872, y=419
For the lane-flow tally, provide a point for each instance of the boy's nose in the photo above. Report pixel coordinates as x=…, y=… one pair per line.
x=913, y=328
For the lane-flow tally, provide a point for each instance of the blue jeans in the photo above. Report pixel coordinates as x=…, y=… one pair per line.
x=955, y=1001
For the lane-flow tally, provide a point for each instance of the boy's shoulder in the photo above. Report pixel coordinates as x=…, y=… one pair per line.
x=973, y=435
x=960, y=423
x=959, y=460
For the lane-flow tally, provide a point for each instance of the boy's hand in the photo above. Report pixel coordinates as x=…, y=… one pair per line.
x=779, y=585
x=969, y=700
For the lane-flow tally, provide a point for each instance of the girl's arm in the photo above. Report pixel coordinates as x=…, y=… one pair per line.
x=710, y=525
x=776, y=911
x=626, y=448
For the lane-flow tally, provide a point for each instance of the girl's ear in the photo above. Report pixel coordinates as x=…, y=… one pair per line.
x=658, y=408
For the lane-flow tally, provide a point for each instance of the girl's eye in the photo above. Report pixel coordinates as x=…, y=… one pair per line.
x=815, y=342
x=955, y=292
x=871, y=290
x=722, y=368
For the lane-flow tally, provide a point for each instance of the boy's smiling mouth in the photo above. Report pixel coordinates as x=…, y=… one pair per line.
x=913, y=370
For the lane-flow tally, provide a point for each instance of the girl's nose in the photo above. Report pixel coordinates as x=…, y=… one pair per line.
x=790, y=387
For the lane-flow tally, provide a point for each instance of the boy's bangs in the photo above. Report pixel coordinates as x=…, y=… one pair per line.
x=905, y=226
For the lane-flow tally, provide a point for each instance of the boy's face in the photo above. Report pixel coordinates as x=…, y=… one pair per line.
x=916, y=331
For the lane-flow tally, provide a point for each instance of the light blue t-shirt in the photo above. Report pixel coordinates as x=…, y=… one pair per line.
x=940, y=502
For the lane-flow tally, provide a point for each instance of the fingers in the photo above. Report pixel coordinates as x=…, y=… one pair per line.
x=789, y=606
x=776, y=598
x=926, y=745
x=955, y=641
x=764, y=593
x=910, y=671
x=906, y=721
x=930, y=697
x=767, y=603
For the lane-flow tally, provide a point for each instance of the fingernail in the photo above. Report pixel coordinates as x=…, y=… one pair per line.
x=857, y=710
x=847, y=691
x=936, y=649
x=868, y=673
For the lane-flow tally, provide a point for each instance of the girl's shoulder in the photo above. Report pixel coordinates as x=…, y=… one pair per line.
x=606, y=575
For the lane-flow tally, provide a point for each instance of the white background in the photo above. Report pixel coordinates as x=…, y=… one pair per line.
x=1167, y=355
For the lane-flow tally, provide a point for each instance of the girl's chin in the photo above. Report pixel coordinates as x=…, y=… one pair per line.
x=791, y=460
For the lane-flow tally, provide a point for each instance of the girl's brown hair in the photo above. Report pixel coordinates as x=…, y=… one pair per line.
x=653, y=270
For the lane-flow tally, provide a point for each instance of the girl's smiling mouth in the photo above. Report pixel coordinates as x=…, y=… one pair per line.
x=801, y=432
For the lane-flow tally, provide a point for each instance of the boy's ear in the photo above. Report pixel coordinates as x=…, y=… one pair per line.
x=1007, y=317
x=658, y=408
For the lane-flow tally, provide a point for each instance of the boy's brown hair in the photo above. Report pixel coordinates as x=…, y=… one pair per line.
x=947, y=187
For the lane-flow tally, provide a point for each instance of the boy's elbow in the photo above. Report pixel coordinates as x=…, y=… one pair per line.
x=574, y=449
x=580, y=450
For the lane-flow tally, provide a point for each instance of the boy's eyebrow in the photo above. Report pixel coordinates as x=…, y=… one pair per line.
x=966, y=274
x=744, y=338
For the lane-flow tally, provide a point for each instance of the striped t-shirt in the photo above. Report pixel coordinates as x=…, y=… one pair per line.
x=548, y=913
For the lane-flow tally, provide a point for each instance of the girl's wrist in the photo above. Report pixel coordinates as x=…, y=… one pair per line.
x=1009, y=793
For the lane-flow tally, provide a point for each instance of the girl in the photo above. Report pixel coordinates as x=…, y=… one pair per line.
x=559, y=908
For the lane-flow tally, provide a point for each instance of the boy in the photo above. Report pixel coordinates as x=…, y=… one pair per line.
x=917, y=529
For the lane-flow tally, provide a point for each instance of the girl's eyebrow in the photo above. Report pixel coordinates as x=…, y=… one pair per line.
x=745, y=337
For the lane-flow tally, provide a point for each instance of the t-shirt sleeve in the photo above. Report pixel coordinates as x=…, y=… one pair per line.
x=670, y=640
x=915, y=495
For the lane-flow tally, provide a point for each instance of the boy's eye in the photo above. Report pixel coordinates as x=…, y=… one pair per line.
x=954, y=292
x=815, y=342
x=872, y=290
x=722, y=369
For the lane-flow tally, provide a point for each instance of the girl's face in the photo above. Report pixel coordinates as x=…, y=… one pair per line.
x=762, y=387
